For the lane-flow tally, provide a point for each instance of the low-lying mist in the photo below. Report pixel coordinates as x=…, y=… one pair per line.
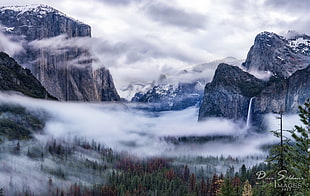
x=82, y=143
x=124, y=128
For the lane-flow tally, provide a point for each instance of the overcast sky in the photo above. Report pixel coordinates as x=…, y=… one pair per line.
x=164, y=35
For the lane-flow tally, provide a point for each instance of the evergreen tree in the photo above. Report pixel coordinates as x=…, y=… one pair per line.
x=301, y=136
x=186, y=173
x=227, y=188
x=293, y=158
x=192, y=183
x=279, y=155
x=243, y=172
x=300, y=156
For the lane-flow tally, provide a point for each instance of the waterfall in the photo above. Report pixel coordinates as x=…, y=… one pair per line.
x=248, y=118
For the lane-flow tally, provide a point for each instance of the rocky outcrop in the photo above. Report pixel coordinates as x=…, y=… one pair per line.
x=66, y=72
x=282, y=57
x=15, y=78
x=104, y=85
x=282, y=95
x=229, y=93
x=298, y=90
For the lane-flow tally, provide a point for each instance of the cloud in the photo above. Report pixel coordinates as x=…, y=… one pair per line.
x=118, y=2
x=262, y=75
x=8, y=46
x=296, y=5
x=292, y=15
x=144, y=133
x=289, y=121
x=61, y=43
x=130, y=61
x=116, y=53
x=140, y=40
x=176, y=16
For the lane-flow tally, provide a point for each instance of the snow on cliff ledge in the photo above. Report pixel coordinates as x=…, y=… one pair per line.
x=39, y=10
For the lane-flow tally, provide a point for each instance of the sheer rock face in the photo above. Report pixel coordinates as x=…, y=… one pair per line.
x=105, y=89
x=229, y=94
x=282, y=57
x=65, y=71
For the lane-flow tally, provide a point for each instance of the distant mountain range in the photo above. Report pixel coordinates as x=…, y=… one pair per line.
x=185, y=89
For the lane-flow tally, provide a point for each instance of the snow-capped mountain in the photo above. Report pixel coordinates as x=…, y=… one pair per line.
x=37, y=10
x=300, y=44
x=182, y=90
x=279, y=55
x=201, y=73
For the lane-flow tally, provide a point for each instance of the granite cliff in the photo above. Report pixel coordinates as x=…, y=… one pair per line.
x=278, y=55
x=66, y=73
x=230, y=92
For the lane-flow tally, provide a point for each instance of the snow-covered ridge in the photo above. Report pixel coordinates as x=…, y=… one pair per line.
x=40, y=10
x=300, y=45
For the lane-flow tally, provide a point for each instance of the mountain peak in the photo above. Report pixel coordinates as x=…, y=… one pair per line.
x=56, y=69
x=300, y=44
x=267, y=34
x=39, y=10
x=278, y=55
x=268, y=39
x=233, y=77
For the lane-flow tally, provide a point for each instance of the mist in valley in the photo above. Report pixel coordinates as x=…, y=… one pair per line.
x=124, y=128
x=80, y=141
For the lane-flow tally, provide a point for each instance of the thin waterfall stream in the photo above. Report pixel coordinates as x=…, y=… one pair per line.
x=248, y=119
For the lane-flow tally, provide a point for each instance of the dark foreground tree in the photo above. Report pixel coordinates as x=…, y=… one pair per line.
x=301, y=154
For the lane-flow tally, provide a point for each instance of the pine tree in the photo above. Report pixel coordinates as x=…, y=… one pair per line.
x=227, y=188
x=300, y=156
x=203, y=188
x=301, y=136
x=247, y=189
x=280, y=158
x=216, y=184
x=186, y=173
x=243, y=172
x=294, y=157
x=192, y=183
x=280, y=154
